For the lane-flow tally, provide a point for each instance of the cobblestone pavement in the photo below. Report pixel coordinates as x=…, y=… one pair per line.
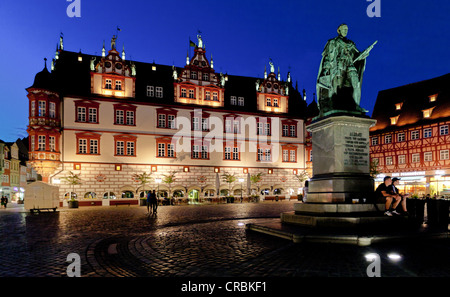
x=190, y=241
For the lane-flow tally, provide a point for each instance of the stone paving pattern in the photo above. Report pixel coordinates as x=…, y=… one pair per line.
x=190, y=241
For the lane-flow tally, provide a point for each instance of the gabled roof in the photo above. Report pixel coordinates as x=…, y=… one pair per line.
x=414, y=99
x=72, y=77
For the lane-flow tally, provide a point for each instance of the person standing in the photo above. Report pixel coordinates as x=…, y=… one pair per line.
x=153, y=202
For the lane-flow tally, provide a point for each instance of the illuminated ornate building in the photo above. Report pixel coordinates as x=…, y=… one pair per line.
x=411, y=138
x=107, y=118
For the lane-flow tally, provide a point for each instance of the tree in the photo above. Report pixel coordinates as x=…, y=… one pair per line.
x=374, y=168
x=256, y=179
x=143, y=179
x=169, y=179
x=302, y=177
x=72, y=179
x=229, y=178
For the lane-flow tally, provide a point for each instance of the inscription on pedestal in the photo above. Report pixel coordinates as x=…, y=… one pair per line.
x=356, y=152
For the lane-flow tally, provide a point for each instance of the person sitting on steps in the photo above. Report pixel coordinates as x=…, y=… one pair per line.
x=383, y=193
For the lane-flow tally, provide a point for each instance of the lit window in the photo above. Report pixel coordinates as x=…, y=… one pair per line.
x=427, y=112
x=394, y=120
x=398, y=106
x=432, y=98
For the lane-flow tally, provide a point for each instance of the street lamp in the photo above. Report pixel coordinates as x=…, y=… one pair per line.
x=241, y=180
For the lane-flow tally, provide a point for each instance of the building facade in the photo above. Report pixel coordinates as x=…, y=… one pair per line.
x=411, y=138
x=107, y=119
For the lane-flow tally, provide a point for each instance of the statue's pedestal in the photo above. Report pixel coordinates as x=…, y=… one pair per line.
x=341, y=181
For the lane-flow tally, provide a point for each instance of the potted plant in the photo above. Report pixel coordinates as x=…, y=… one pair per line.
x=169, y=179
x=229, y=178
x=256, y=179
x=143, y=179
x=301, y=177
x=72, y=179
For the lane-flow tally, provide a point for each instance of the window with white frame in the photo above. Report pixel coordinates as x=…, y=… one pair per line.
x=235, y=153
x=130, y=148
x=120, y=145
x=193, y=74
x=389, y=160
x=130, y=117
x=33, y=108
x=195, y=151
x=81, y=114
x=161, y=149
x=118, y=85
x=388, y=138
x=374, y=141
x=171, y=121
x=428, y=156
x=401, y=159
x=108, y=84
x=161, y=120
x=443, y=130
x=93, y=146
x=427, y=133
x=268, y=154
x=268, y=102
x=41, y=108
x=275, y=102
x=119, y=117
x=415, y=158
x=227, y=155
x=51, y=143
x=205, y=77
x=444, y=154
x=215, y=96
x=191, y=94
x=159, y=92
x=205, y=126
x=260, y=155
x=414, y=134
x=183, y=93
x=41, y=143
x=233, y=100
x=82, y=146
x=400, y=137
x=241, y=101
x=204, y=152
x=170, y=150
x=150, y=91
x=52, y=110
x=207, y=95
x=92, y=115
x=195, y=124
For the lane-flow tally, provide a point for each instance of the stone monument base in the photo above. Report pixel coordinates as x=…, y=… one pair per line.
x=335, y=215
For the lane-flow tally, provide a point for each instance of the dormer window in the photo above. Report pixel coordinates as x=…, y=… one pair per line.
x=394, y=120
x=398, y=106
x=193, y=75
x=205, y=76
x=432, y=98
x=108, y=84
x=118, y=85
x=427, y=112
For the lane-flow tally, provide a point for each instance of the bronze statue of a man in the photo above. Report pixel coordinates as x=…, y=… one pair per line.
x=342, y=67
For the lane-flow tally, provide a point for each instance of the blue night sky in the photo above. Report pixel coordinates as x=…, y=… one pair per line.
x=413, y=40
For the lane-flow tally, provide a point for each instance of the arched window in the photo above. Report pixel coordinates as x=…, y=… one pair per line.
x=67, y=195
x=127, y=194
x=109, y=195
x=90, y=195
